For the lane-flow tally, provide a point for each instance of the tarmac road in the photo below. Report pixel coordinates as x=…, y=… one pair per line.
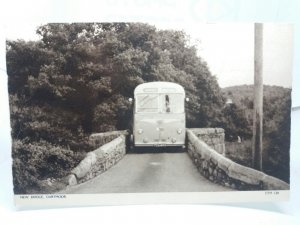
x=154, y=171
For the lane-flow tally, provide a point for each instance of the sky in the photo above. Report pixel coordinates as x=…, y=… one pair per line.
x=228, y=49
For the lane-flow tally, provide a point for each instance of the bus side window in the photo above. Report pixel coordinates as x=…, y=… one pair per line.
x=167, y=102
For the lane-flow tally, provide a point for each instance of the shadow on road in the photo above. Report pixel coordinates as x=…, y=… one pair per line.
x=144, y=150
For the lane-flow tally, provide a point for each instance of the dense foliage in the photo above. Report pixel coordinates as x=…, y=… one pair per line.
x=276, y=124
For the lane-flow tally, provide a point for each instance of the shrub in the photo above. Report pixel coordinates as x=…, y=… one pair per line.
x=40, y=160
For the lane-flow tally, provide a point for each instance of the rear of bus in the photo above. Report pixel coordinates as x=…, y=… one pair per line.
x=159, y=116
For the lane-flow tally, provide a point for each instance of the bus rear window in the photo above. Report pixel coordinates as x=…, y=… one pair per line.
x=162, y=103
x=172, y=103
x=147, y=103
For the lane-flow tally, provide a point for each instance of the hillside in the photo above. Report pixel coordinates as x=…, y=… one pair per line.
x=276, y=104
x=276, y=123
x=239, y=94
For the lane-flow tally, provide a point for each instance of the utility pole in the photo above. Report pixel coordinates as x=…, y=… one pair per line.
x=257, y=146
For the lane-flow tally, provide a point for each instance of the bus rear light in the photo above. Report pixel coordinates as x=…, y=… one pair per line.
x=179, y=131
x=140, y=131
x=173, y=140
x=145, y=140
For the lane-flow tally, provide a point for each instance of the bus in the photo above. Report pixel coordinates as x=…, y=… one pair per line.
x=159, y=115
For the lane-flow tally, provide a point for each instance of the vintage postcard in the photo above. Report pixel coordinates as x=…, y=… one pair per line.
x=135, y=113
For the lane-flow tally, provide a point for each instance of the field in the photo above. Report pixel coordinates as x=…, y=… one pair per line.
x=242, y=153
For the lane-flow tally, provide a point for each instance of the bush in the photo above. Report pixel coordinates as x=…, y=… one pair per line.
x=37, y=161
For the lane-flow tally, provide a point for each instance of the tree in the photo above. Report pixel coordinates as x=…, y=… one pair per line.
x=76, y=80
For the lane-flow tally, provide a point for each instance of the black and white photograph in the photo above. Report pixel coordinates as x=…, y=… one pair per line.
x=132, y=107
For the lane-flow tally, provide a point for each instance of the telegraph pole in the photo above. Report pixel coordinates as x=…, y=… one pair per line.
x=257, y=146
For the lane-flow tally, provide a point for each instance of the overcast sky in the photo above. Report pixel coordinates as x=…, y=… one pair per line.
x=228, y=48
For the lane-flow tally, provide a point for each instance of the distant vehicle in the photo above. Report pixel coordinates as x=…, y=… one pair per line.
x=159, y=115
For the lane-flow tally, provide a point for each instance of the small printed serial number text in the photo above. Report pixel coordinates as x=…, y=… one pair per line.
x=272, y=193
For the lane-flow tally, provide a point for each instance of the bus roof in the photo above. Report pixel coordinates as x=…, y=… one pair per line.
x=159, y=87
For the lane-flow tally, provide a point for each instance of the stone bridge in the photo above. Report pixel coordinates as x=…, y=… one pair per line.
x=205, y=147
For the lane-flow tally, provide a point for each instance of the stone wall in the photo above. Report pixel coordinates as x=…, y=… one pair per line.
x=217, y=168
x=213, y=137
x=99, y=160
x=98, y=139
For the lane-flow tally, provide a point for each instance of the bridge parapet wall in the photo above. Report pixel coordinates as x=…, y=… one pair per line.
x=98, y=139
x=102, y=158
x=219, y=169
x=213, y=137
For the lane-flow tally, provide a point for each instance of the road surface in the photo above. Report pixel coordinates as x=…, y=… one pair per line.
x=149, y=172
